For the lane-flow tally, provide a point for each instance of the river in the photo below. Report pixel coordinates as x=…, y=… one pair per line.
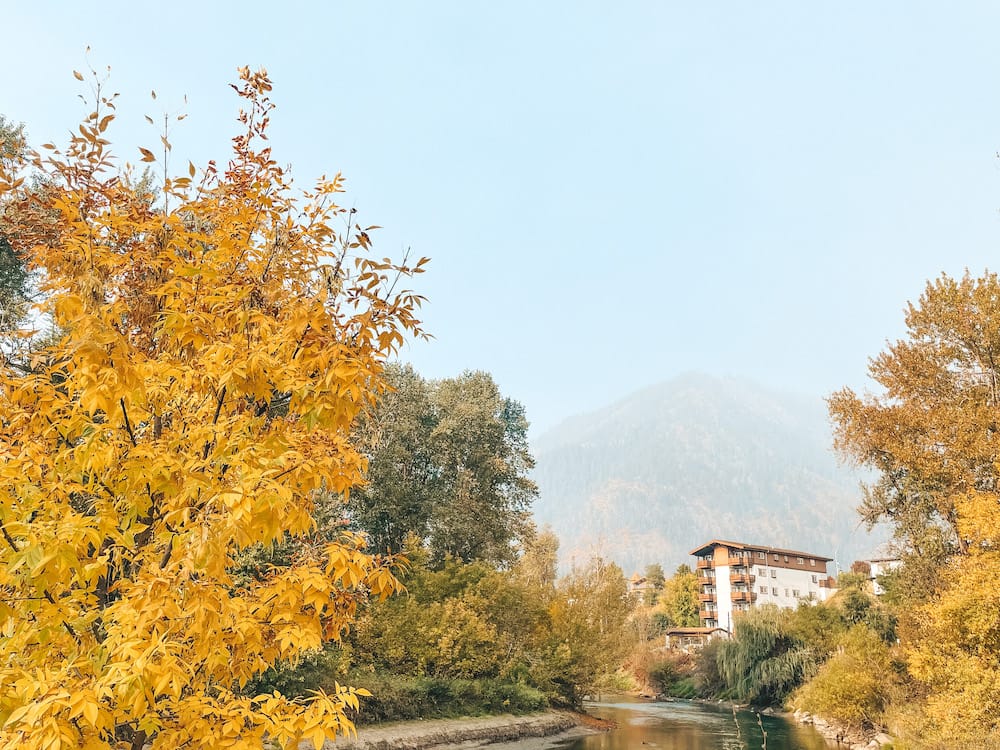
x=685, y=725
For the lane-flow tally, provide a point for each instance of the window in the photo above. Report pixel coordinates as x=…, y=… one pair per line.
x=812, y=595
x=795, y=593
x=786, y=558
x=786, y=592
x=801, y=561
x=814, y=579
x=763, y=589
x=774, y=591
x=762, y=571
x=774, y=573
x=812, y=562
x=761, y=556
x=776, y=557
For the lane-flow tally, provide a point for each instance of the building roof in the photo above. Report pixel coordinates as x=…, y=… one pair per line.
x=754, y=548
x=692, y=631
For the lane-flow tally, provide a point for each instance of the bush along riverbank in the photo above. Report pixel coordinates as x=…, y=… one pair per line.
x=400, y=698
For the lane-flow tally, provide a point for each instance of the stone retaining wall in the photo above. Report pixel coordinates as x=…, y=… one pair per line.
x=433, y=733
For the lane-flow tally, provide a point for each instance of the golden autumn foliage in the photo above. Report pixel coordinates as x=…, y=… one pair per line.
x=213, y=346
x=955, y=651
x=853, y=685
x=933, y=437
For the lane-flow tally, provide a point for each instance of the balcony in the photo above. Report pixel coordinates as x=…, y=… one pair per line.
x=738, y=561
x=747, y=578
x=707, y=614
x=706, y=580
x=828, y=583
x=743, y=596
x=704, y=563
x=706, y=597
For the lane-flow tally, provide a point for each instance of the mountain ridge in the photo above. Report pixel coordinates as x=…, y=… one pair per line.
x=670, y=466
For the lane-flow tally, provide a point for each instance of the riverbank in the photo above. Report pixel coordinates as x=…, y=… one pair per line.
x=852, y=739
x=849, y=738
x=468, y=733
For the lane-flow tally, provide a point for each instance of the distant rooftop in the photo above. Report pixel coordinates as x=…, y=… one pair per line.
x=708, y=547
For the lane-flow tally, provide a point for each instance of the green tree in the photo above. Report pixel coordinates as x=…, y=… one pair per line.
x=589, y=612
x=481, y=442
x=655, y=578
x=403, y=480
x=679, y=600
x=14, y=276
x=538, y=564
x=448, y=461
x=821, y=626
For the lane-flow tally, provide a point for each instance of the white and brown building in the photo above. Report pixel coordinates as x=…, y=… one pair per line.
x=733, y=577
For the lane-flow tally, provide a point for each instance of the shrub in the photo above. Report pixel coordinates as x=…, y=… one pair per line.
x=853, y=685
x=397, y=698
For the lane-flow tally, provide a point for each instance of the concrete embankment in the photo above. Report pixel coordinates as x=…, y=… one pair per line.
x=468, y=733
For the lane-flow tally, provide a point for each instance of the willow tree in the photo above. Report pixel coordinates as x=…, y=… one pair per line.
x=210, y=351
x=763, y=661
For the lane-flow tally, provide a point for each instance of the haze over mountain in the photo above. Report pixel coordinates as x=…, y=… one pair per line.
x=695, y=458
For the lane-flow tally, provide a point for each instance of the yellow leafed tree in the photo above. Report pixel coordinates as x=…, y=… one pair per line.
x=212, y=349
x=933, y=438
x=956, y=649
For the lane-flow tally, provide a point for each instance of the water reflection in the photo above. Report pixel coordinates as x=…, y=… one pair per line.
x=683, y=725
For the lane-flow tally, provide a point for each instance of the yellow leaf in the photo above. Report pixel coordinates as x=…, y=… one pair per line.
x=91, y=712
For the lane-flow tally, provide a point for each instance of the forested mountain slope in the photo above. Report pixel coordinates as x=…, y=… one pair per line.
x=654, y=475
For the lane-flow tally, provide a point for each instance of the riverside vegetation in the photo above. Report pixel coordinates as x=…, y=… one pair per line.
x=485, y=624
x=922, y=660
x=219, y=503
x=182, y=559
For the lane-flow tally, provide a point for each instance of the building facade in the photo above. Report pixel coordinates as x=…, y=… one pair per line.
x=733, y=577
x=879, y=567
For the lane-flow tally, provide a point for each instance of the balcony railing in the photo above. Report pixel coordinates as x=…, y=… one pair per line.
x=828, y=583
x=747, y=578
x=705, y=563
x=706, y=580
x=706, y=614
x=743, y=596
x=706, y=597
x=734, y=560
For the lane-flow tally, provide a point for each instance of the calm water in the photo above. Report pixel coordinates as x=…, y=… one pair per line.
x=682, y=725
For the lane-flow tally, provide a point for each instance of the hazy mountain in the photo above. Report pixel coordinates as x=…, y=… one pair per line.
x=695, y=458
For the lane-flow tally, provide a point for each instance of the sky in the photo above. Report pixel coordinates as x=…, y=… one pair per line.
x=611, y=193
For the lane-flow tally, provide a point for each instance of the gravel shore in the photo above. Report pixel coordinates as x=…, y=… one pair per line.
x=468, y=733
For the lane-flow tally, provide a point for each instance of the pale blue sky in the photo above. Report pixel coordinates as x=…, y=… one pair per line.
x=612, y=193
